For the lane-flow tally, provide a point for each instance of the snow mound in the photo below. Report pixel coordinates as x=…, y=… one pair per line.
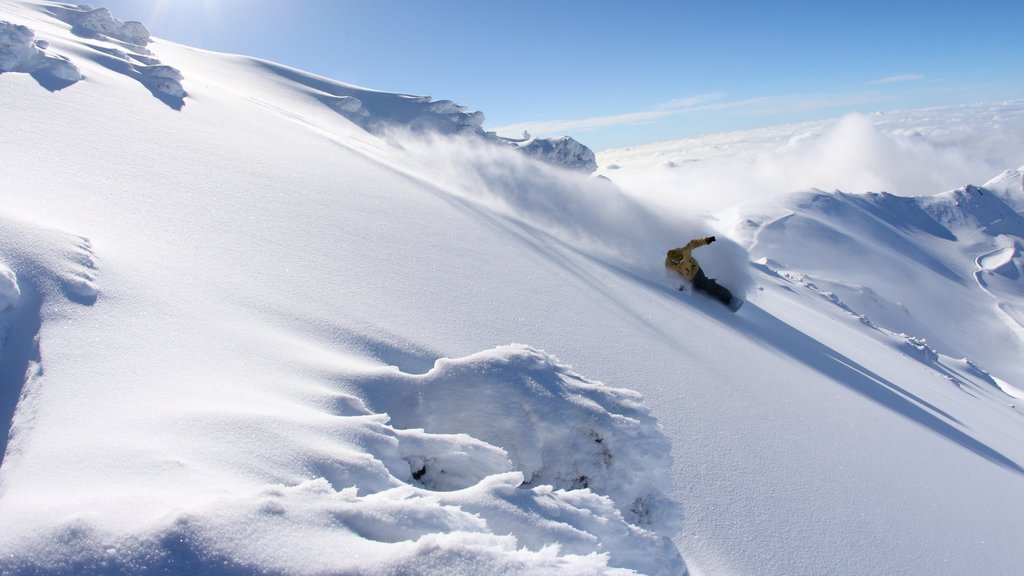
x=164, y=79
x=53, y=262
x=557, y=427
x=21, y=52
x=503, y=462
x=98, y=23
x=39, y=268
x=109, y=42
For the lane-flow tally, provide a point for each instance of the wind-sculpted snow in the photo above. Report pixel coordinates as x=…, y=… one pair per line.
x=557, y=427
x=163, y=81
x=21, y=52
x=99, y=37
x=382, y=113
x=100, y=23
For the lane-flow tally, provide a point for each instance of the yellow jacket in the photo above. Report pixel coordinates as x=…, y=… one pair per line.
x=681, y=262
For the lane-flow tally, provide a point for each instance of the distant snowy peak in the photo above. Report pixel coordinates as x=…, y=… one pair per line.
x=1009, y=186
x=971, y=207
x=912, y=269
x=946, y=215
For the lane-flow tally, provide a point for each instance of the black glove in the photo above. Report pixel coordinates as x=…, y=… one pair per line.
x=711, y=239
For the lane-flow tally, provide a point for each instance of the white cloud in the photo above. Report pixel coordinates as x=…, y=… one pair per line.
x=712, y=102
x=909, y=152
x=898, y=78
x=660, y=111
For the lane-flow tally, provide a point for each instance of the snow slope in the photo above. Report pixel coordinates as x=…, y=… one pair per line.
x=244, y=332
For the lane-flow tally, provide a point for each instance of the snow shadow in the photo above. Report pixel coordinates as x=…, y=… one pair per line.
x=162, y=81
x=48, y=80
x=51, y=81
x=19, y=351
x=830, y=363
x=21, y=52
x=38, y=265
x=177, y=550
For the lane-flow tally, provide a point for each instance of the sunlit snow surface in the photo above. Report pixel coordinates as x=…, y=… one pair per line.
x=243, y=331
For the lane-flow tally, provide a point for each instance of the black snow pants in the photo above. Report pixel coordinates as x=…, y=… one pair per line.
x=709, y=286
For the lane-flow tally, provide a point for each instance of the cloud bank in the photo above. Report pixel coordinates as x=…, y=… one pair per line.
x=910, y=153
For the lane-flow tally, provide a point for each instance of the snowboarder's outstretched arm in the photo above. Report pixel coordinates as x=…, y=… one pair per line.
x=698, y=242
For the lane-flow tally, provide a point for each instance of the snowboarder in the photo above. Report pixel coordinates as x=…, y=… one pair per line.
x=680, y=261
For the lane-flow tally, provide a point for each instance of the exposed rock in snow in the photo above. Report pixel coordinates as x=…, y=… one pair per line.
x=563, y=151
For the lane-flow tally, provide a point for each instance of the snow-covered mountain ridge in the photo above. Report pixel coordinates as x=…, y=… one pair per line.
x=966, y=243
x=121, y=46
x=242, y=333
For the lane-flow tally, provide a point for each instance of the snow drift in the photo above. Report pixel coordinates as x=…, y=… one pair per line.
x=20, y=52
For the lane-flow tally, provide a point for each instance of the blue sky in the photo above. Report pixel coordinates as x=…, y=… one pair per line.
x=616, y=73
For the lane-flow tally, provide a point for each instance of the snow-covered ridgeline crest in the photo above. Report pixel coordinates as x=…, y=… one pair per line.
x=122, y=47
x=381, y=112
